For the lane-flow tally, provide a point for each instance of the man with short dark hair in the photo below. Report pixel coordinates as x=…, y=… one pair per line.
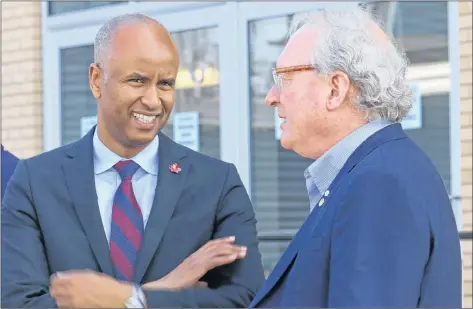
x=125, y=217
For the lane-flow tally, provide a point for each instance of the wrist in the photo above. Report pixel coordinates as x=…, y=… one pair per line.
x=137, y=298
x=123, y=292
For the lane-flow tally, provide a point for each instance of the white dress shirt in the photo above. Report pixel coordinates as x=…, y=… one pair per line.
x=107, y=179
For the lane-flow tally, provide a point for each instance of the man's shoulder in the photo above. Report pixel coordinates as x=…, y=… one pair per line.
x=8, y=159
x=50, y=158
x=399, y=161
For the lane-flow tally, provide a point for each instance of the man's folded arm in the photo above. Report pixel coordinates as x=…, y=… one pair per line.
x=233, y=285
x=25, y=275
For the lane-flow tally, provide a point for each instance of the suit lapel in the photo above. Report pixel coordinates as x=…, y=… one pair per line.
x=286, y=259
x=80, y=180
x=389, y=133
x=167, y=193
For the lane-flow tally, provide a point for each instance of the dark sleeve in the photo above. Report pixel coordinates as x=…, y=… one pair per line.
x=25, y=275
x=380, y=246
x=237, y=283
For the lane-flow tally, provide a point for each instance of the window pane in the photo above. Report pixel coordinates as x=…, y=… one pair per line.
x=277, y=175
x=58, y=7
x=77, y=100
x=198, y=86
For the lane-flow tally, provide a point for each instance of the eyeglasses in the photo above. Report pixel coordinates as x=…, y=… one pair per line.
x=278, y=78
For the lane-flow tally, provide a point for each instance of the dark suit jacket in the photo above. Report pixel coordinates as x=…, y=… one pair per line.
x=51, y=223
x=9, y=162
x=385, y=236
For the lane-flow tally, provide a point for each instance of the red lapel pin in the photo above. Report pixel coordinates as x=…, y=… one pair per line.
x=174, y=168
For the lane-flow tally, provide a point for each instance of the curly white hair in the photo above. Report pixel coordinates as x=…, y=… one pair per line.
x=348, y=40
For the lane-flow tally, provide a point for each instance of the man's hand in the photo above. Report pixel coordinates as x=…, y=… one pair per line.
x=214, y=253
x=88, y=289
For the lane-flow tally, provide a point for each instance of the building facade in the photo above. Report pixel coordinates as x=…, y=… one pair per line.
x=227, y=50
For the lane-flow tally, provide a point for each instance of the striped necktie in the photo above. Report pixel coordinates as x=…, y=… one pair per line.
x=127, y=224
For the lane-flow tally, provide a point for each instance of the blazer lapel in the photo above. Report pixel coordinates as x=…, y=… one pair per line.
x=278, y=271
x=167, y=193
x=80, y=180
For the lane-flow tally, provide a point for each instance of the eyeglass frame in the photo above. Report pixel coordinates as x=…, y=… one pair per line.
x=297, y=68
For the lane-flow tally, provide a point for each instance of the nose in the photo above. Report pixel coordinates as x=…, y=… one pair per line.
x=151, y=98
x=272, y=98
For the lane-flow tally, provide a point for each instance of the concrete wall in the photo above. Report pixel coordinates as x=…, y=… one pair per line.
x=22, y=109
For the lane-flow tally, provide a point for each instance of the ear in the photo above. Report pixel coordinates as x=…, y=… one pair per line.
x=339, y=84
x=95, y=80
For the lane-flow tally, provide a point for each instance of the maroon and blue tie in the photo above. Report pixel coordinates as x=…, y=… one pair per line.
x=127, y=224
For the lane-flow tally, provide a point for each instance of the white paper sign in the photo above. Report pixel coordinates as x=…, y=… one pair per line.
x=277, y=125
x=186, y=129
x=413, y=119
x=86, y=123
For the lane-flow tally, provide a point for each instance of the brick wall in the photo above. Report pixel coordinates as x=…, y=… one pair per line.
x=22, y=121
x=466, y=141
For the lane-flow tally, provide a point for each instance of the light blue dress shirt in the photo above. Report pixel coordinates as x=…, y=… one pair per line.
x=107, y=179
x=320, y=174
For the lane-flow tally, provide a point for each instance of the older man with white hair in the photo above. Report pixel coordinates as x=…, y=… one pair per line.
x=381, y=231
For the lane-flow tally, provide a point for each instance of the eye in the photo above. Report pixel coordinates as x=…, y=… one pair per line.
x=136, y=80
x=167, y=83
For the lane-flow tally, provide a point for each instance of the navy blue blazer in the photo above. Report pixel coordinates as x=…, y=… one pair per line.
x=9, y=162
x=385, y=236
x=51, y=223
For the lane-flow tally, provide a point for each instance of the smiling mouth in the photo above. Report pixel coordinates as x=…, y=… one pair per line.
x=146, y=119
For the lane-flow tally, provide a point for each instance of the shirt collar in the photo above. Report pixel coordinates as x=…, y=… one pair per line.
x=105, y=159
x=324, y=170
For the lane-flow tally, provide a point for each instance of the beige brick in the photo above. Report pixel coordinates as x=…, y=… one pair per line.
x=21, y=55
x=21, y=111
x=466, y=162
x=464, y=7
x=466, y=172
x=465, y=35
x=467, y=247
x=466, y=62
x=466, y=190
x=21, y=99
x=465, y=77
x=466, y=105
x=466, y=148
x=466, y=220
x=25, y=67
x=466, y=90
x=467, y=286
x=466, y=134
x=465, y=21
x=466, y=120
x=23, y=23
x=467, y=276
x=467, y=302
